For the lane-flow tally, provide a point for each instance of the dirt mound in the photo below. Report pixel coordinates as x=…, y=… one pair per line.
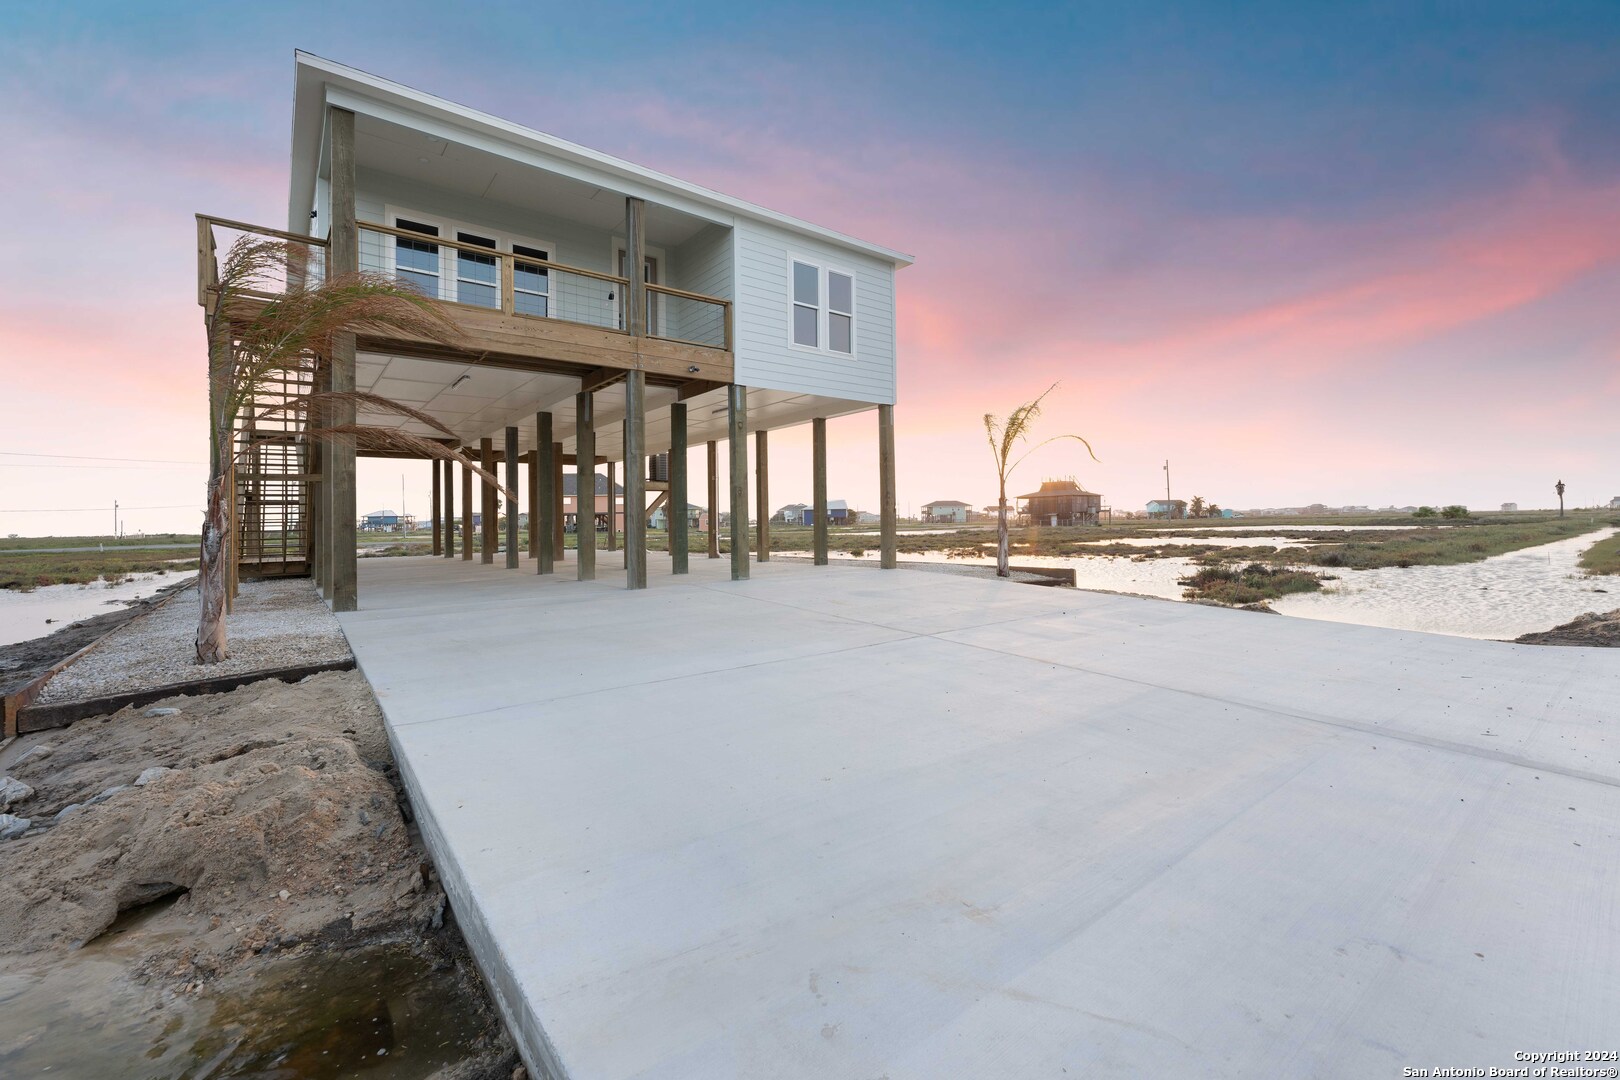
x=277, y=821
x=1593, y=628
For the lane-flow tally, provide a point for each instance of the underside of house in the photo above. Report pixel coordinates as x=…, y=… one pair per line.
x=741, y=321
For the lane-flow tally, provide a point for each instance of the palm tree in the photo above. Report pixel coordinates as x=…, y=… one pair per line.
x=1004, y=436
x=267, y=321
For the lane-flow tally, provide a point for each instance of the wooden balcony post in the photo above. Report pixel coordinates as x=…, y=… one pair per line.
x=635, y=476
x=343, y=257
x=543, y=514
x=613, y=510
x=818, y=487
x=762, y=494
x=466, y=513
x=488, y=536
x=714, y=500
x=675, y=509
x=887, y=558
x=448, y=510
x=533, y=461
x=737, y=439
x=512, y=499
x=558, y=537
x=585, y=484
x=438, y=518
x=508, y=287
x=635, y=293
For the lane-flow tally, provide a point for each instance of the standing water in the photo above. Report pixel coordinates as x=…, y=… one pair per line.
x=32, y=614
x=378, y=1011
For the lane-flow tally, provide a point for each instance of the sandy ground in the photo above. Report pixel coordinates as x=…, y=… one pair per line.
x=1500, y=598
x=275, y=624
x=279, y=826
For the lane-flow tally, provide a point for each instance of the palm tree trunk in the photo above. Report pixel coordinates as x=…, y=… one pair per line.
x=1001, y=533
x=211, y=577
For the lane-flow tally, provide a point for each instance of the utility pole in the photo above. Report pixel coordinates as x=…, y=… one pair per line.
x=1169, y=507
x=115, y=516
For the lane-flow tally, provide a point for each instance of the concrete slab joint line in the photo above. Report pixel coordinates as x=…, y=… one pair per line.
x=1062, y=784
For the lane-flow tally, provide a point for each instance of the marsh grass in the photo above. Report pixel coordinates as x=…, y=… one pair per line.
x=1602, y=557
x=1252, y=584
x=28, y=572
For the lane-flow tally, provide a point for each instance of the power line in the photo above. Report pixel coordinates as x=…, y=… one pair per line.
x=101, y=509
x=99, y=457
x=115, y=468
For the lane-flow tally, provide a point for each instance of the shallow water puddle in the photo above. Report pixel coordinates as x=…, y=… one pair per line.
x=380, y=1011
x=26, y=615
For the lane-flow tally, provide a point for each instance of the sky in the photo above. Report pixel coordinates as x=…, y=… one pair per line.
x=1357, y=254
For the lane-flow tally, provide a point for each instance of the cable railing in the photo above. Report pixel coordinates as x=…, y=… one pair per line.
x=303, y=264
x=693, y=318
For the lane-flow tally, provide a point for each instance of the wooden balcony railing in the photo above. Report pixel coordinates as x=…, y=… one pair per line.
x=521, y=284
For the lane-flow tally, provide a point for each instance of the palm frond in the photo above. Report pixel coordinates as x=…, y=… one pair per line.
x=321, y=402
x=365, y=437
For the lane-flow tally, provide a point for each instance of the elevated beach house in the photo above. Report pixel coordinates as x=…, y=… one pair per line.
x=1060, y=502
x=946, y=512
x=609, y=313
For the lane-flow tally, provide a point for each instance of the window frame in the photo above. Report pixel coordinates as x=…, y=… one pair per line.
x=516, y=291
x=450, y=257
x=824, y=268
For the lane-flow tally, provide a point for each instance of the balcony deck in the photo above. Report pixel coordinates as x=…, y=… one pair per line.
x=689, y=336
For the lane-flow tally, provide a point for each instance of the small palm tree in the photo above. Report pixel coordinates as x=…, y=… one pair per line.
x=1004, y=436
x=260, y=331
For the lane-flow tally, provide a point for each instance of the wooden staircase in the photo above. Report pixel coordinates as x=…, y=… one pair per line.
x=273, y=482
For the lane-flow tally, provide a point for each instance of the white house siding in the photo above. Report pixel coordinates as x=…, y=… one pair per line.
x=701, y=265
x=765, y=356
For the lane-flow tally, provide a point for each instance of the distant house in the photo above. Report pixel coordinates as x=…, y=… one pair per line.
x=946, y=512
x=837, y=514
x=1508, y=508
x=1060, y=502
x=1614, y=503
x=604, y=503
x=791, y=514
x=1167, y=508
x=658, y=519
x=387, y=521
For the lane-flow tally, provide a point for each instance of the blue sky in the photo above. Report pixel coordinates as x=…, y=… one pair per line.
x=1320, y=252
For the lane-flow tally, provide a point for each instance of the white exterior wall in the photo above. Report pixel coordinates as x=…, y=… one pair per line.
x=766, y=355
x=701, y=265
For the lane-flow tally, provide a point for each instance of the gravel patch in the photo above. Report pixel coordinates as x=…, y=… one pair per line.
x=276, y=624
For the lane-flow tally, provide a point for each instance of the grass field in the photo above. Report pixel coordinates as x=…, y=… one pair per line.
x=1602, y=557
x=33, y=571
x=20, y=543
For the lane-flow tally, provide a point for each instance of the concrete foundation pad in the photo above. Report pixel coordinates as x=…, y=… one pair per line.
x=836, y=822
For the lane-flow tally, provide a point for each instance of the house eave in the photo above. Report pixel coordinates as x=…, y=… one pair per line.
x=318, y=80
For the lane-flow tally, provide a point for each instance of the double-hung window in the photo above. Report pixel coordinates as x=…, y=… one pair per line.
x=478, y=276
x=806, y=305
x=823, y=309
x=531, y=283
x=416, y=262
x=840, y=312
